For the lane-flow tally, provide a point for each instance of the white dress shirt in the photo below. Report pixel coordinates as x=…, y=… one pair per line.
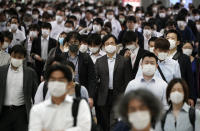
x=56, y=29
x=44, y=47
x=18, y=37
x=116, y=27
x=95, y=57
x=170, y=69
x=40, y=98
x=133, y=56
x=172, y=55
x=156, y=85
x=4, y=58
x=14, y=87
x=52, y=117
x=111, y=65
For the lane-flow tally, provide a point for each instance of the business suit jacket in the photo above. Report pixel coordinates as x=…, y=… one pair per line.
x=186, y=71
x=86, y=72
x=122, y=76
x=134, y=70
x=36, y=49
x=30, y=85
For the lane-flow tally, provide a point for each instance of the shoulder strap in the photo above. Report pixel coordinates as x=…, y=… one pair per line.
x=78, y=90
x=164, y=118
x=192, y=117
x=161, y=73
x=75, y=107
x=175, y=57
x=45, y=89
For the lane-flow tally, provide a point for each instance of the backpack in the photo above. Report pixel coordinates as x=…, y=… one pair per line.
x=192, y=117
x=75, y=107
x=77, y=90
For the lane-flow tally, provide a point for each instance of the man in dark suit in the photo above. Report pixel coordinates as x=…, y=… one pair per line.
x=113, y=74
x=130, y=21
x=41, y=47
x=132, y=51
x=184, y=61
x=17, y=90
x=84, y=67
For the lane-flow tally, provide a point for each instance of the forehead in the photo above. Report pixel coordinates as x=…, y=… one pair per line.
x=137, y=104
x=177, y=86
x=14, y=20
x=171, y=35
x=147, y=58
x=57, y=74
x=111, y=39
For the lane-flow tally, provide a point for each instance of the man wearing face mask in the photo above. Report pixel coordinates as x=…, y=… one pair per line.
x=184, y=61
x=35, y=16
x=130, y=24
x=41, y=47
x=167, y=67
x=132, y=51
x=161, y=18
x=113, y=74
x=18, y=86
x=58, y=24
x=87, y=20
x=116, y=27
x=84, y=44
x=84, y=67
x=2, y=22
x=56, y=113
x=18, y=35
x=69, y=26
x=97, y=25
x=148, y=80
x=4, y=56
x=94, y=42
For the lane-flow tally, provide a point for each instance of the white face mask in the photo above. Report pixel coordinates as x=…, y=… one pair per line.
x=83, y=48
x=110, y=49
x=176, y=97
x=16, y=62
x=96, y=28
x=59, y=18
x=148, y=69
x=151, y=49
x=181, y=24
x=35, y=17
x=131, y=47
x=162, y=55
x=33, y=34
x=139, y=14
x=147, y=19
x=196, y=17
x=94, y=49
x=140, y=119
x=198, y=27
x=147, y=32
x=110, y=17
x=187, y=52
x=57, y=88
x=162, y=15
x=13, y=26
x=45, y=32
x=172, y=44
x=5, y=45
x=67, y=29
x=66, y=49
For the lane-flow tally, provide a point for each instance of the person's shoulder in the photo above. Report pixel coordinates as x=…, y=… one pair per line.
x=171, y=61
x=4, y=68
x=160, y=81
x=40, y=107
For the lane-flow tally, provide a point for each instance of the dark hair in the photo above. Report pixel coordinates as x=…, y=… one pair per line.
x=1, y=37
x=99, y=21
x=69, y=22
x=84, y=38
x=175, y=32
x=171, y=85
x=150, y=54
x=94, y=39
x=131, y=18
x=59, y=59
x=46, y=25
x=34, y=27
x=129, y=36
x=15, y=17
x=72, y=17
x=36, y=10
x=18, y=49
x=63, y=68
x=71, y=64
x=152, y=39
x=162, y=44
x=147, y=24
x=108, y=36
x=190, y=42
x=74, y=35
x=147, y=98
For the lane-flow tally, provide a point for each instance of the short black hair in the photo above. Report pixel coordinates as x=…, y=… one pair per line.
x=149, y=54
x=99, y=21
x=69, y=22
x=129, y=36
x=63, y=68
x=84, y=38
x=18, y=49
x=1, y=37
x=36, y=10
x=152, y=39
x=34, y=27
x=108, y=36
x=74, y=35
x=46, y=25
x=94, y=39
x=131, y=18
x=162, y=43
x=175, y=32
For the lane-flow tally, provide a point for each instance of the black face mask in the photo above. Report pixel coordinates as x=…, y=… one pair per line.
x=73, y=48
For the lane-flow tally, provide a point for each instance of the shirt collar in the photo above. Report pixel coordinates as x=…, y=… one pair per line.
x=114, y=56
x=185, y=107
x=18, y=69
x=68, y=99
x=172, y=55
x=135, y=51
x=42, y=38
x=152, y=80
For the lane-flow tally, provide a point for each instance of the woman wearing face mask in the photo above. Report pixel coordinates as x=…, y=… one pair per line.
x=187, y=49
x=138, y=110
x=180, y=116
